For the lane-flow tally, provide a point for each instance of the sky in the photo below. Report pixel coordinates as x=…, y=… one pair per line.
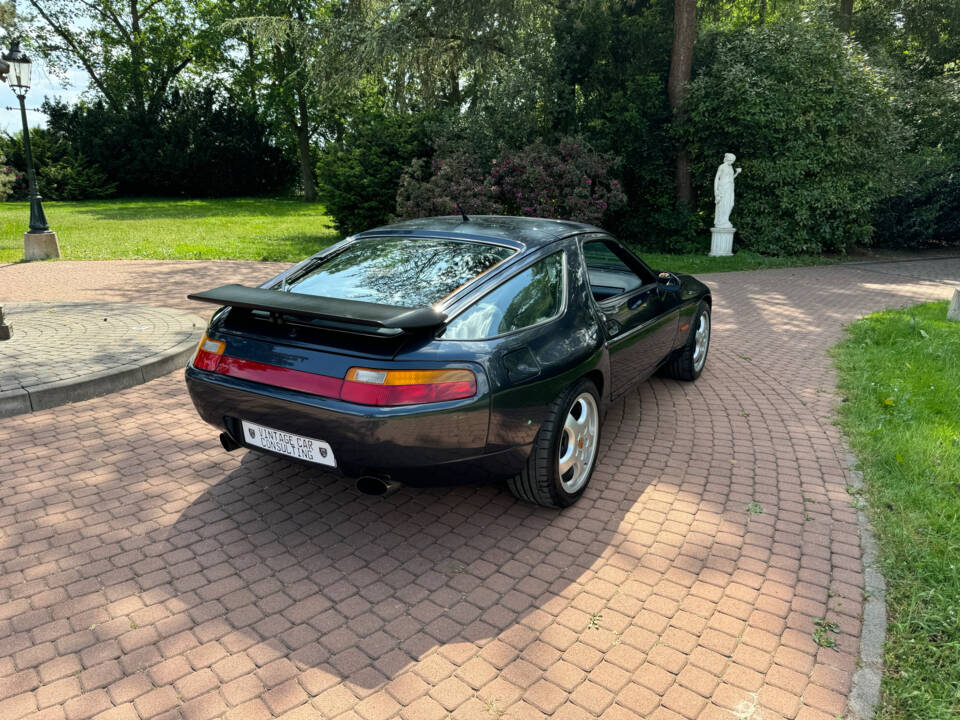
x=43, y=85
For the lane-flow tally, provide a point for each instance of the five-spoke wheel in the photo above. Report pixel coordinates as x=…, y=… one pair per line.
x=578, y=443
x=565, y=450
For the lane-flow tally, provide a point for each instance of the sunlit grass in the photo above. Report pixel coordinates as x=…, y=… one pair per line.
x=235, y=229
x=741, y=260
x=900, y=373
x=245, y=229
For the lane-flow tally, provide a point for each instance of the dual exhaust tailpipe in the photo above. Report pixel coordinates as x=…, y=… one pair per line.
x=367, y=484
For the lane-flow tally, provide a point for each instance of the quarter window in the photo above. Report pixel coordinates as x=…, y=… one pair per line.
x=529, y=297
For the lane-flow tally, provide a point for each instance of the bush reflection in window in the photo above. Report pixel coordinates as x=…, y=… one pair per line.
x=529, y=297
x=398, y=271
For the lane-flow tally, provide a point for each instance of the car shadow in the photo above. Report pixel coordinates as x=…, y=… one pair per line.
x=362, y=588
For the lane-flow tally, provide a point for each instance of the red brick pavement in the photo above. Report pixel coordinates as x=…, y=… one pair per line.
x=146, y=573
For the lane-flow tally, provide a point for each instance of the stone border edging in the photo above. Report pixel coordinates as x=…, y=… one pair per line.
x=50, y=395
x=865, y=690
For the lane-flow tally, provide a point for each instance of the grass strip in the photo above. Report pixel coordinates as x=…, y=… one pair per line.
x=899, y=372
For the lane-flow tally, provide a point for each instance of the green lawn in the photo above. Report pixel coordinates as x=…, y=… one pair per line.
x=236, y=229
x=741, y=260
x=244, y=229
x=900, y=373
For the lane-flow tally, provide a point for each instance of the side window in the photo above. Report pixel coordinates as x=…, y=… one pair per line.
x=612, y=271
x=529, y=297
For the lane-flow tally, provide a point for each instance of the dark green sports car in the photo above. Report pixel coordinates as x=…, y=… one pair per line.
x=447, y=350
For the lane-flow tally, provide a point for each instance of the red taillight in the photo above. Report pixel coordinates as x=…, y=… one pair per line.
x=277, y=376
x=361, y=385
x=208, y=354
x=406, y=387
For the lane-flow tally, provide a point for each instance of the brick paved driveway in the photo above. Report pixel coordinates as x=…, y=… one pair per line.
x=147, y=573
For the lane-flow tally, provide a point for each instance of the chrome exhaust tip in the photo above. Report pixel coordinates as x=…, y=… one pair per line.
x=376, y=485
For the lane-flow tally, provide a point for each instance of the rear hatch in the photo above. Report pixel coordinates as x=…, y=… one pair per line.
x=362, y=306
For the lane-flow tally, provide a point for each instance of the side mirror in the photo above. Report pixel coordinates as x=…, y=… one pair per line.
x=668, y=281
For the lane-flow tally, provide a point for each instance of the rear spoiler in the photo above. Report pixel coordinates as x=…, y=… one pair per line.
x=336, y=310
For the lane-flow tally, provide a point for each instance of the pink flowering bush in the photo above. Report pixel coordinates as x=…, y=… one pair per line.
x=568, y=180
x=454, y=178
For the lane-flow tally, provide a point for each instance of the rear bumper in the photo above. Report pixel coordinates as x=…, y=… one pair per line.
x=442, y=445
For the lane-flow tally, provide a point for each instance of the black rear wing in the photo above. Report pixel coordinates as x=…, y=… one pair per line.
x=389, y=318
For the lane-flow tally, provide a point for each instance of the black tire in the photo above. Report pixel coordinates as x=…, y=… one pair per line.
x=540, y=480
x=684, y=365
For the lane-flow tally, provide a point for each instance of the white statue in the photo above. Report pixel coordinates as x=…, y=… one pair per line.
x=723, y=191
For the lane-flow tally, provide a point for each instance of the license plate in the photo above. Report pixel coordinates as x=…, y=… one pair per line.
x=296, y=446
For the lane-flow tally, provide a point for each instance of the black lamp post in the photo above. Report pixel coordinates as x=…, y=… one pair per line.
x=19, y=81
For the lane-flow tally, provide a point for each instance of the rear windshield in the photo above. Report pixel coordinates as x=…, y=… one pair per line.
x=409, y=272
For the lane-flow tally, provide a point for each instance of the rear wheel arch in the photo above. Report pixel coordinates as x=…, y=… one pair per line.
x=596, y=377
x=540, y=481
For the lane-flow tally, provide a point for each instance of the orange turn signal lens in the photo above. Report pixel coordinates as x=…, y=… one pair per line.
x=208, y=354
x=369, y=386
x=408, y=377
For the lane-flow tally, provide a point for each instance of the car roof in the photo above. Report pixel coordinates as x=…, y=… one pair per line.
x=530, y=231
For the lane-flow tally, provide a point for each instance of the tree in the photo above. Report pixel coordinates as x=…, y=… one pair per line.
x=132, y=50
x=922, y=36
x=844, y=15
x=303, y=52
x=681, y=66
x=810, y=118
x=452, y=54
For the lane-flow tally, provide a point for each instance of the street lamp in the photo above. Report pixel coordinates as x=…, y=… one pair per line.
x=39, y=241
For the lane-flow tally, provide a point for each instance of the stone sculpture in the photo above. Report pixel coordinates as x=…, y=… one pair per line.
x=721, y=234
x=723, y=191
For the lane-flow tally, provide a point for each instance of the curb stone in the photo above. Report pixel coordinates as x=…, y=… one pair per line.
x=22, y=393
x=865, y=690
x=55, y=394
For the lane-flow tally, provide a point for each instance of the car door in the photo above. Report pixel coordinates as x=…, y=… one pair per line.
x=638, y=318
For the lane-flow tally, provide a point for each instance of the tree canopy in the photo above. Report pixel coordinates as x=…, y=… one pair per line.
x=850, y=105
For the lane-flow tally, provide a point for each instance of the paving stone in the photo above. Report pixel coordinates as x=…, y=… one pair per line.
x=144, y=558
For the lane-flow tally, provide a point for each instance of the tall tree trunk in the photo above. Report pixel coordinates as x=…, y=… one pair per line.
x=845, y=15
x=681, y=65
x=306, y=167
x=303, y=149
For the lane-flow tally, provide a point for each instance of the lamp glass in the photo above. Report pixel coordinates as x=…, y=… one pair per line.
x=20, y=74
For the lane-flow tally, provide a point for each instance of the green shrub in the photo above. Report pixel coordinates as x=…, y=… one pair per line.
x=811, y=124
x=203, y=143
x=926, y=213
x=62, y=172
x=73, y=178
x=8, y=177
x=358, y=177
x=926, y=210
